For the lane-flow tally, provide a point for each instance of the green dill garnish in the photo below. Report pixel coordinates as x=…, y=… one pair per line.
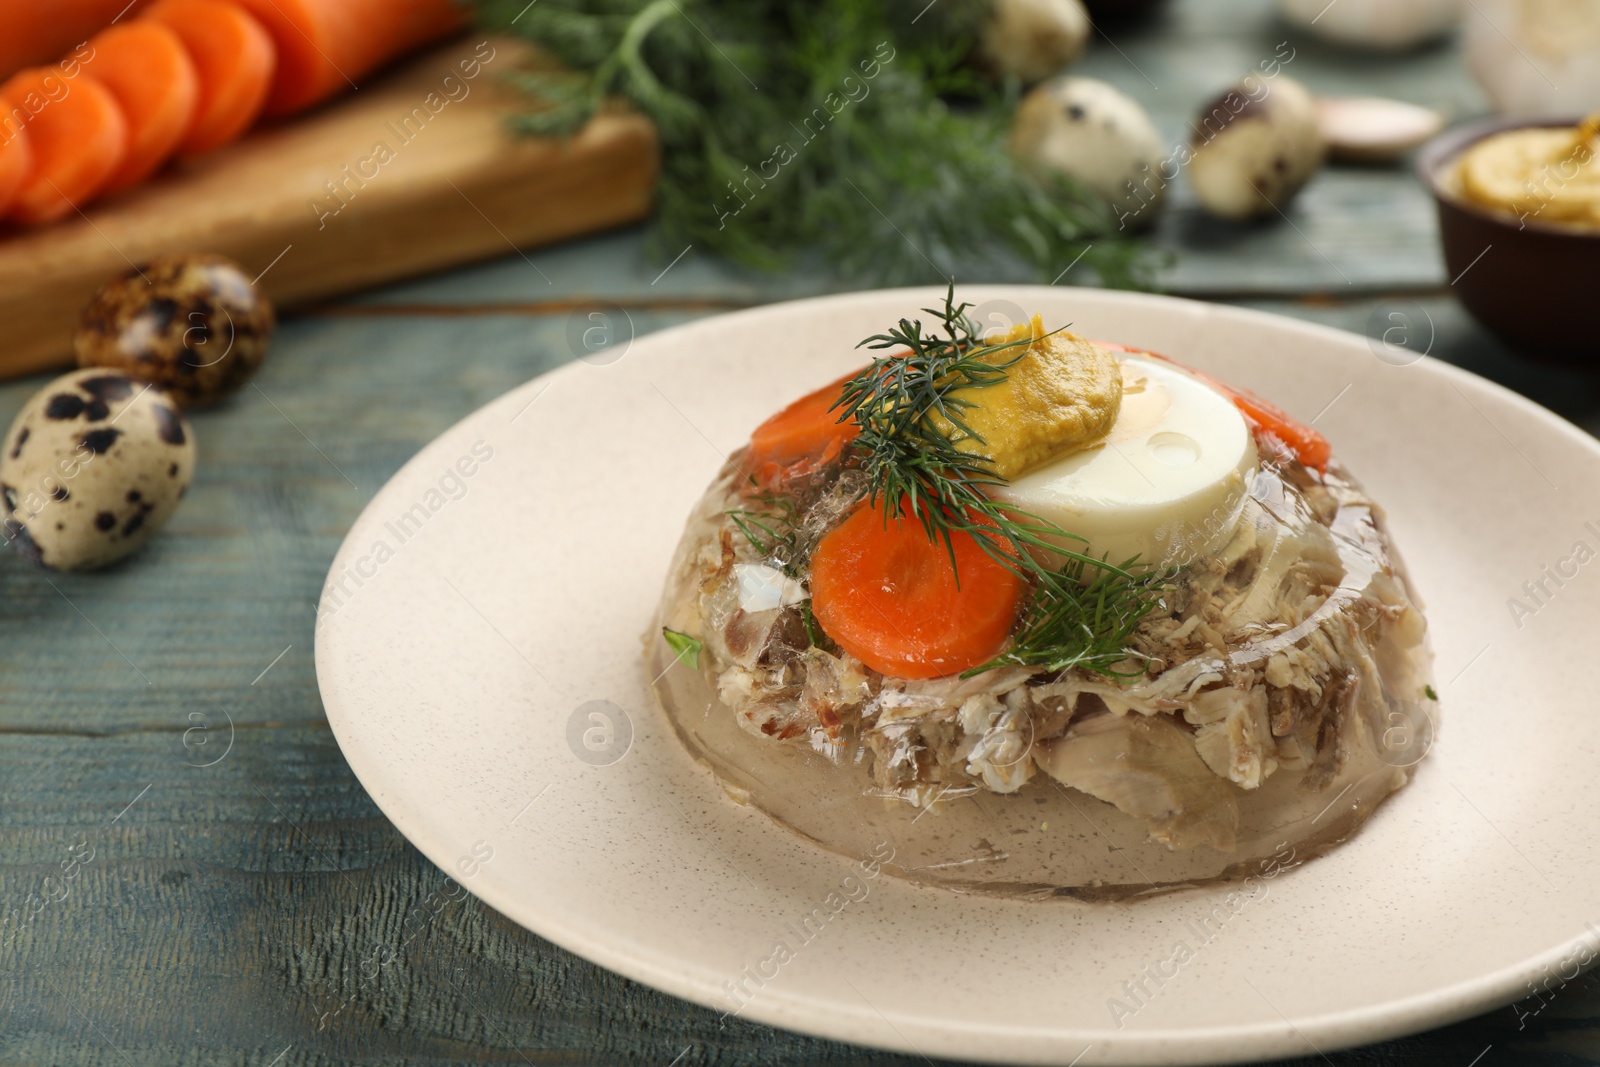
x=1428, y=689
x=851, y=133
x=814, y=632
x=1079, y=613
x=902, y=404
x=685, y=647
x=774, y=531
x=1071, y=622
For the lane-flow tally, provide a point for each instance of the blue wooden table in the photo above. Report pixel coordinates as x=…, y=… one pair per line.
x=189, y=873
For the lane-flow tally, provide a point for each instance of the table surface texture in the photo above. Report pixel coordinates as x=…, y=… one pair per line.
x=237, y=878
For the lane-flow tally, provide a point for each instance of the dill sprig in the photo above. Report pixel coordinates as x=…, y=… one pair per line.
x=903, y=404
x=849, y=133
x=1080, y=612
x=776, y=534
x=1084, y=620
x=774, y=529
x=899, y=401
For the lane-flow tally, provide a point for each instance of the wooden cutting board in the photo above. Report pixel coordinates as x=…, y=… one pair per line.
x=412, y=173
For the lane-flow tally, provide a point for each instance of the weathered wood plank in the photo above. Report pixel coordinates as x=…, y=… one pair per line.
x=1352, y=232
x=189, y=624
x=264, y=904
x=232, y=912
x=260, y=910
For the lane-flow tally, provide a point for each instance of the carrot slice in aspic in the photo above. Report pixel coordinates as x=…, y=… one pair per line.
x=889, y=596
x=802, y=437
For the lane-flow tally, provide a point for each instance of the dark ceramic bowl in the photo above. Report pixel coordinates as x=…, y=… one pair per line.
x=1533, y=284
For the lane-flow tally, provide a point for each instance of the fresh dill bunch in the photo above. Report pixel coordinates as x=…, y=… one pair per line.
x=1079, y=613
x=849, y=132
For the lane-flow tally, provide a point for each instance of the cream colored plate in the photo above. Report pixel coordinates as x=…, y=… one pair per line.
x=471, y=622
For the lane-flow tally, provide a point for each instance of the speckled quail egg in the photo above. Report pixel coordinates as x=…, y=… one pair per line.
x=193, y=323
x=1090, y=131
x=1030, y=40
x=94, y=464
x=1254, y=147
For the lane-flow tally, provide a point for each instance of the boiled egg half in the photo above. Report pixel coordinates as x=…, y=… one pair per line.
x=1167, y=483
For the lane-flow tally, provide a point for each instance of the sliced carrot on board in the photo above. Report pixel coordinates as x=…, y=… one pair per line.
x=326, y=46
x=234, y=58
x=801, y=437
x=1308, y=446
x=78, y=136
x=40, y=31
x=148, y=70
x=888, y=596
x=16, y=160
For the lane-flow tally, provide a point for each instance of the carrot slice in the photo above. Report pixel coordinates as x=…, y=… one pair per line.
x=148, y=70
x=79, y=139
x=234, y=58
x=324, y=46
x=801, y=437
x=33, y=32
x=888, y=596
x=16, y=160
x=1308, y=446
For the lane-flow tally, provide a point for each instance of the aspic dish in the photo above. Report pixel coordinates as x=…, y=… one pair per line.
x=991, y=583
